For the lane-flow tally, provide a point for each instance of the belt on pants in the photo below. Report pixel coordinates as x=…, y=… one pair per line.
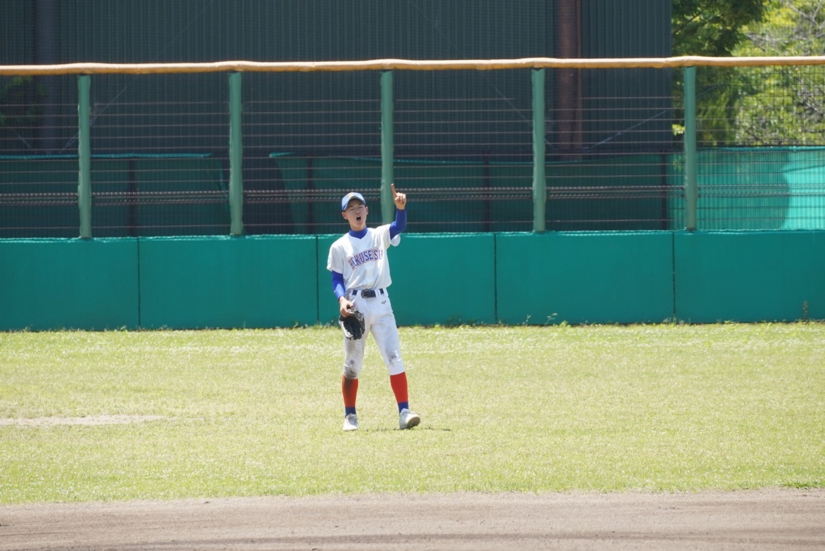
x=368, y=293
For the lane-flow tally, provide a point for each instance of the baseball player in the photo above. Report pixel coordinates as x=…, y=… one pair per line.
x=360, y=277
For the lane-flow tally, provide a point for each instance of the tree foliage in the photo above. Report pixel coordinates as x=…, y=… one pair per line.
x=755, y=106
x=784, y=105
x=20, y=99
x=713, y=28
x=791, y=27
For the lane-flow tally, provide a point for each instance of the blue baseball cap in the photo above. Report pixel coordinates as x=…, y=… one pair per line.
x=349, y=197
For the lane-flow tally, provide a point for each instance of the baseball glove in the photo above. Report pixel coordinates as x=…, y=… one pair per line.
x=353, y=325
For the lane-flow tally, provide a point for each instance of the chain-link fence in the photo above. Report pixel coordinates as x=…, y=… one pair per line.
x=461, y=144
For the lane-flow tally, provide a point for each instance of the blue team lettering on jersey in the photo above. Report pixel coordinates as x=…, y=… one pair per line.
x=370, y=255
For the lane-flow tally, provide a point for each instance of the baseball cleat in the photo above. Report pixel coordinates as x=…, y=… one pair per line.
x=407, y=419
x=351, y=422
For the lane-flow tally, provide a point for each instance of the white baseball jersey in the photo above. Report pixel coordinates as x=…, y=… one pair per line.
x=363, y=262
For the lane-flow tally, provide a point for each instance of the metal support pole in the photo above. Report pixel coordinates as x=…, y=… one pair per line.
x=387, y=147
x=84, y=156
x=691, y=185
x=235, y=156
x=539, y=179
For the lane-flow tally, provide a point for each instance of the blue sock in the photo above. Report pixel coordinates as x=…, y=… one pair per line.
x=347, y=411
x=403, y=405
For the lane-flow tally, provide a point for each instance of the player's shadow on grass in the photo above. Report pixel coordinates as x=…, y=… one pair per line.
x=416, y=429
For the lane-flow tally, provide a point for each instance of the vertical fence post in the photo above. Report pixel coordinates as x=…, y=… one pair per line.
x=539, y=179
x=84, y=156
x=387, y=147
x=691, y=186
x=235, y=156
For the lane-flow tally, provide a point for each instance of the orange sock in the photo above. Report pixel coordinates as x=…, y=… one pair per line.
x=399, y=388
x=349, y=388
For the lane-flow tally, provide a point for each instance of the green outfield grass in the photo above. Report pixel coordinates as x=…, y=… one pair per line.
x=528, y=409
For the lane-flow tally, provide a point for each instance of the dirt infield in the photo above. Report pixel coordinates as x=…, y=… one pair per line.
x=769, y=519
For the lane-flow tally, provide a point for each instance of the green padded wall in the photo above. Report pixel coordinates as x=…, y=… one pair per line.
x=225, y=282
x=617, y=277
x=749, y=276
x=50, y=284
x=436, y=279
x=444, y=279
x=327, y=307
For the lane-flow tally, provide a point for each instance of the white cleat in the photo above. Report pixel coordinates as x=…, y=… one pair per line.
x=407, y=419
x=351, y=422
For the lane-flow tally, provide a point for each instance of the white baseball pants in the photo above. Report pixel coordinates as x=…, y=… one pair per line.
x=380, y=321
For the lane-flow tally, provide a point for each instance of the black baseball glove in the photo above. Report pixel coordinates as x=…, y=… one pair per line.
x=353, y=325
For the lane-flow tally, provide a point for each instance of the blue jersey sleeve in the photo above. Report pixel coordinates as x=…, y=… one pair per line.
x=400, y=223
x=338, y=285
